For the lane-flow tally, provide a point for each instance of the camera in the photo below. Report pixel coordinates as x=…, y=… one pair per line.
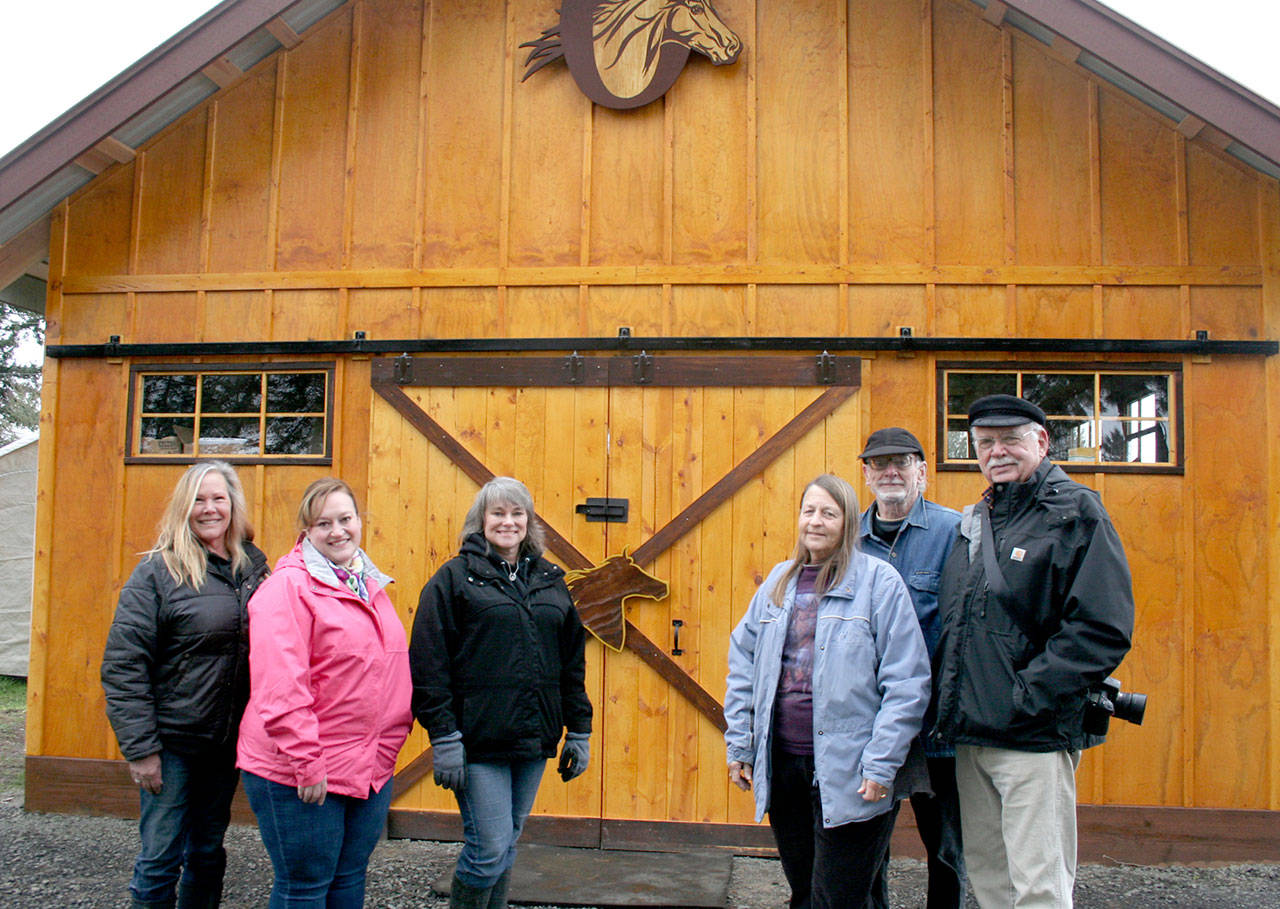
x=1106, y=701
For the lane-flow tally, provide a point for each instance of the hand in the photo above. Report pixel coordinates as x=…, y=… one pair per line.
x=146, y=773
x=740, y=775
x=449, y=759
x=871, y=791
x=315, y=793
x=575, y=754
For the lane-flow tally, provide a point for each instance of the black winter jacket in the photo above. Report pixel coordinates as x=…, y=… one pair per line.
x=176, y=666
x=1067, y=575
x=501, y=660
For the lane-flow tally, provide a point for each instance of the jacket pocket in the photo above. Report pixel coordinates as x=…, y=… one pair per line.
x=987, y=698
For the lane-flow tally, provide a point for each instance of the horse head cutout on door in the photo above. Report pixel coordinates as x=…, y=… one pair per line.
x=600, y=592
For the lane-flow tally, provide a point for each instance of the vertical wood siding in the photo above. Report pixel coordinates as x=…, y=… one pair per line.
x=948, y=174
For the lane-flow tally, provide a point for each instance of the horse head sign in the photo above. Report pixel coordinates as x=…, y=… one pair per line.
x=626, y=53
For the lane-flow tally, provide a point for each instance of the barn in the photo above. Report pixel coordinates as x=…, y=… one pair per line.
x=415, y=243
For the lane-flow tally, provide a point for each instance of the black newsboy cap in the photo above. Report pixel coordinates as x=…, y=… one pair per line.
x=891, y=441
x=1004, y=410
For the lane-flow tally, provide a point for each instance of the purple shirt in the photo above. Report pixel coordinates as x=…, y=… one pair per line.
x=793, y=709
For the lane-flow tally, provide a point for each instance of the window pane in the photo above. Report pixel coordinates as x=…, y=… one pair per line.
x=294, y=392
x=1135, y=396
x=164, y=435
x=1065, y=394
x=232, y=393
x=959, y=445
x=1135, y=441
x=1070, y=440
x=228, y=435
x=295, y=435
x=963, y=388
x=169, y=394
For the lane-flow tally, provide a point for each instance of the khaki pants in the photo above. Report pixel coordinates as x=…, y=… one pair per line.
x=1018, y=818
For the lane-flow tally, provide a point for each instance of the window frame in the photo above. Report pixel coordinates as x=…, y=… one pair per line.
x=1176, y=410
x=134, y=414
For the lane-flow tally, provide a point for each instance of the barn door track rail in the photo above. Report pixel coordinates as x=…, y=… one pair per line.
x=904, y=341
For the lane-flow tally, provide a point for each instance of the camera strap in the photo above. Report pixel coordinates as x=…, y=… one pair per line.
x=997, y=586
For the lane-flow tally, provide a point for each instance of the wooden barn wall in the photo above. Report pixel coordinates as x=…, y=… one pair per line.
x=864, y=166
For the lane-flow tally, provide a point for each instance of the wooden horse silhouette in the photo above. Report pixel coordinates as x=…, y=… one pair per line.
x=627, y=53
x=599, y=593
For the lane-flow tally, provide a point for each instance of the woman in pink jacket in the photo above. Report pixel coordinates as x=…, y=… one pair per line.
x=328, y=706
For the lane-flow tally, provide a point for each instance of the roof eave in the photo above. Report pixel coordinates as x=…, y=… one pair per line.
x=132, y=91
x=1230, y=107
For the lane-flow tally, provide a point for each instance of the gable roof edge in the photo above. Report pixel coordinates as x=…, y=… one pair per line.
x=1160, y=66
x=186, y=53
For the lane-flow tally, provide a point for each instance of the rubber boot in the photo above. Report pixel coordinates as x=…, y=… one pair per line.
x=498, y=895
x=199, y=895
x=462, y=896
x=201, y=884
x=136, y=903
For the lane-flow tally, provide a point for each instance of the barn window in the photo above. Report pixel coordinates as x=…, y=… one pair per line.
x=231, y=412
x=1099, y=418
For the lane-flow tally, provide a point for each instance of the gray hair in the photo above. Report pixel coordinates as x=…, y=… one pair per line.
x=510, y=491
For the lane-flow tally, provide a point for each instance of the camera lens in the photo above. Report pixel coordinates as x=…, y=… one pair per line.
x=1130, y=706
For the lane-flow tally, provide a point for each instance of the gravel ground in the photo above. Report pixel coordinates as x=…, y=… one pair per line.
x=54, y=861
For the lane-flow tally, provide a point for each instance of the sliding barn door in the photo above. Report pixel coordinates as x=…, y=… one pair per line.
x=668, y=486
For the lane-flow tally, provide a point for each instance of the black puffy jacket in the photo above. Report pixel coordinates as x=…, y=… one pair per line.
x=1020, y=683
x=176, y=666
x=500, y=659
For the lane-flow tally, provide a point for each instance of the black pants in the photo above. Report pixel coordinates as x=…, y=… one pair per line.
x=827, y=867
x=938, y=821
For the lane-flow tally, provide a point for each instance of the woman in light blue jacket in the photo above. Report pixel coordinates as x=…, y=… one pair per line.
x=828, y=684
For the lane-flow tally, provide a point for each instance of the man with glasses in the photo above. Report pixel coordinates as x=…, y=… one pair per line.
x=915, y=536
x=1037, y=609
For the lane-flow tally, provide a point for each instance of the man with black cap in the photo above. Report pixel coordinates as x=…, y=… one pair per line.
x=914, y=536
x=1037, y=609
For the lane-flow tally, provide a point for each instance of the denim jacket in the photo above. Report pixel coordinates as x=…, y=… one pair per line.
x=870, y=686
x=919, y=553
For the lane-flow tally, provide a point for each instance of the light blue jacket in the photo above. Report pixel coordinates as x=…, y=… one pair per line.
x=870, y=686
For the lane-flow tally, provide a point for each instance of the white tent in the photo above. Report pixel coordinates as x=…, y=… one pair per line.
x=17, y=550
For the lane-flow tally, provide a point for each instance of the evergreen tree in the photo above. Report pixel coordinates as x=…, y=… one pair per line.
x=20, y=333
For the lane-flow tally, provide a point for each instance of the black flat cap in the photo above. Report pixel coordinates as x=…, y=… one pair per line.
x=1004, y=410
x=891, y=441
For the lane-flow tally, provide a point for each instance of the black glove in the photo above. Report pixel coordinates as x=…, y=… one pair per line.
x=574, y=755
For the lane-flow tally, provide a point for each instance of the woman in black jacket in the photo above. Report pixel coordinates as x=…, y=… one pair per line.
x=497, y=657
x=176, y=677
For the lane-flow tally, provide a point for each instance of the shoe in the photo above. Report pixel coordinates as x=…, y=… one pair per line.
x=498, y=895
x=462, y=896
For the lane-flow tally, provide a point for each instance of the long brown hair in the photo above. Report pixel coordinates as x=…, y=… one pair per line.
x=833, y=567
x=183, y=553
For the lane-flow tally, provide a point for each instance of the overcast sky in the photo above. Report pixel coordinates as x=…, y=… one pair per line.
x=1236, y=37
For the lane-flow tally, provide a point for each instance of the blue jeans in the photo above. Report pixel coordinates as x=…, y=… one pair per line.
x=494, y=805
x=320, y=852
x=182, y=827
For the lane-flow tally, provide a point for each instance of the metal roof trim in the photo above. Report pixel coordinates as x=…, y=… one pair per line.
x=1156, y=64
x=132, y=92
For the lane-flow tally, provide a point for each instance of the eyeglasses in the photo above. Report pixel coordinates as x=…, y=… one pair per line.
x=884, y=462
x=1006, y=440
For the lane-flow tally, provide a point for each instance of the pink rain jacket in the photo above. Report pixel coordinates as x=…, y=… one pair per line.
x=330, y=687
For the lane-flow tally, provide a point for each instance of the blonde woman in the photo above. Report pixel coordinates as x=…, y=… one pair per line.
x=176, y=676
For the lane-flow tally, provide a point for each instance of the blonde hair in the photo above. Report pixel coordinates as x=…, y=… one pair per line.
x=184, y=555
x=314, y=497
x=836, y=564
x=513, y=492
